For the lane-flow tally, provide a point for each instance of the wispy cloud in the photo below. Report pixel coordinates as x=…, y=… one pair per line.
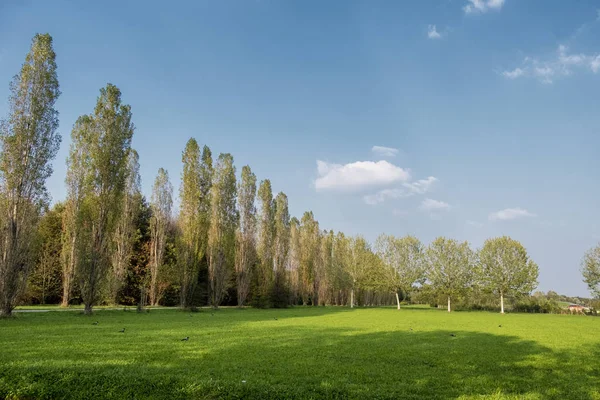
x=510, y=213
x=432, y=32
x=561, y=64
x=482, y=6
x=433, y=205
x=358, y=175
x=385, y=151
x=408, y=189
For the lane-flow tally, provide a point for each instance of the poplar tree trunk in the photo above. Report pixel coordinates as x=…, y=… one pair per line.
x=352, y=298
x=398, y=300
x=449, y=304
x=501, y=303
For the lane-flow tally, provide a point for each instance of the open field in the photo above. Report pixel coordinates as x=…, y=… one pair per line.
x=300, y=353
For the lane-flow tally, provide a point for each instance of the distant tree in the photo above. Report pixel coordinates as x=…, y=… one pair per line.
x=223, y=225
x=161, y=205
x=360, y=264
x=107, y=136
x=28, y=142
x=404, y=259
x=125, y=232
x=281, y=246
x=327, y=277
x=340, y=261
x=266, y=235
x=450, y=267
x=506, y=268
x=191, y=247
x=246, y=235
x=45, y=282
x=590, y=268
x=294, y=260
x=309, y=246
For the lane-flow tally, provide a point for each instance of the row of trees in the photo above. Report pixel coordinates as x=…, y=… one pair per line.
x=232, y=242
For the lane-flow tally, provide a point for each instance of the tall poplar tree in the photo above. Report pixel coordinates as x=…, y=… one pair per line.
x=309, y=245
x=125, y=233
x=78, y=163
x=161, y=204
x=28, y=142
x=223, y=224
x=107, y=134
x=246, y=235
x=294, y=260
x=281, y=246
x=191, y=248
x=266, y=234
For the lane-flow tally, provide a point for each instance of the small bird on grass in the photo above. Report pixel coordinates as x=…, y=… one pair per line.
x=185, y=339
x=499, y=326
x=95, y=323
x=411, y=329
x=122, y=330
x=453, y=335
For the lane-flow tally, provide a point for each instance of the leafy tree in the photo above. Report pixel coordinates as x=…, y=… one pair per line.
x=506, y=268
x=246, y=235
x=405, y=262
x=309, y=245
x=266, y=234
x=78, y=163
x=28, y=142
x=326, y=269
x=125, y=233
x=590, y=268
x=361, y=266
x=45, y=282
x=191, y=246
x=450, y=267
x=223, y=225
x=294, y=260
x=161, y=204
x=107, y=135
x=281, y=246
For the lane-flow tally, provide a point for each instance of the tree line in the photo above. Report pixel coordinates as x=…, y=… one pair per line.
x=232, y=241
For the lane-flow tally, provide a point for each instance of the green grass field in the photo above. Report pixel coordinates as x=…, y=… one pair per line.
x=300, y=353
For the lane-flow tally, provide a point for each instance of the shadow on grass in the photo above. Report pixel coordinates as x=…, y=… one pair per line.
x=297, y=362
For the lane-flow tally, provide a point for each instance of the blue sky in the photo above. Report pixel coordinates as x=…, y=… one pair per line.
x=492, y=107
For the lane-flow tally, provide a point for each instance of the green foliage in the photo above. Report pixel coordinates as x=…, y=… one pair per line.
x=506, y=268
x=590, y=269
x=28, y=142
x=450, y=267
x=300, y=353
x=223, y=224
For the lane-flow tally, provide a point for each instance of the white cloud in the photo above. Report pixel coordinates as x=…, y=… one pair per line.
x=408, y=189
x=385, y=151
x=482, y=6
x=474, y=224
x=358, y=175
x=561, y=64
x=433, y=205
x=509, y=213
x=514, y=74
x=432, y=33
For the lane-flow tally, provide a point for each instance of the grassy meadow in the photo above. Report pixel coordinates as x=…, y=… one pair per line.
x=376, y=353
